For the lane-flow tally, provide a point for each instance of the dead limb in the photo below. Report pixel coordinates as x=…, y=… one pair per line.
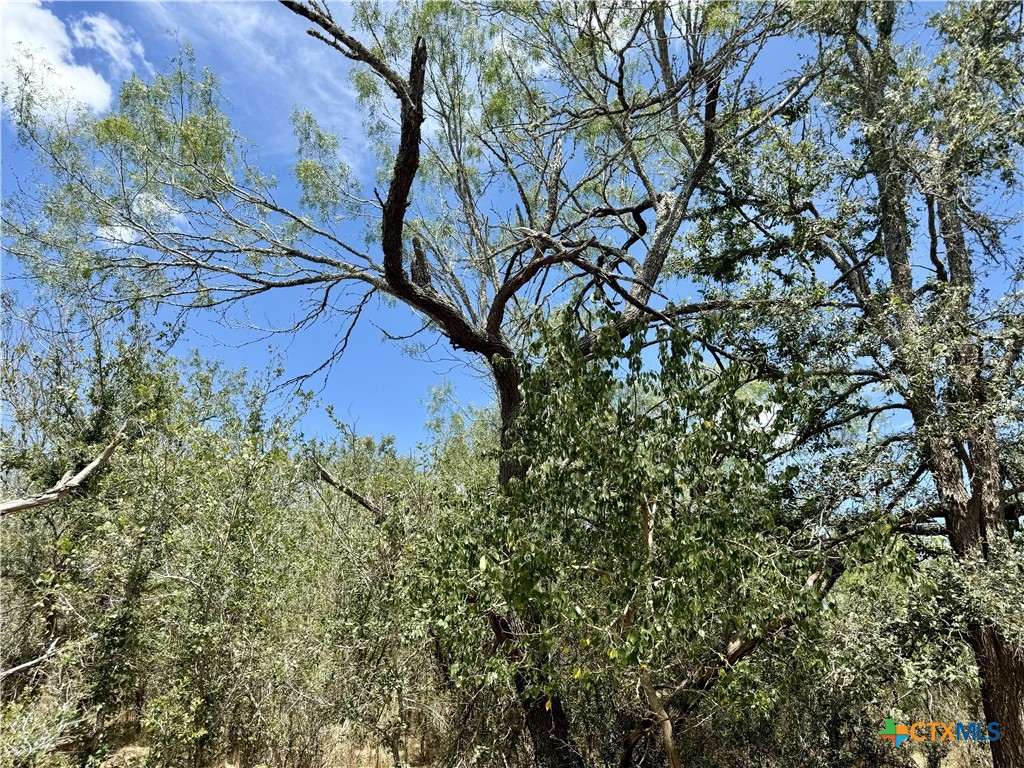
x=378, y=514
x=29, y=664
x=69, y=482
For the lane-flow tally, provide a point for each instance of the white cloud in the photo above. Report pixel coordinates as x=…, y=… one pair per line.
x=152, y=208
x=149, y=211
x=34, y=37
x=103, y=33
x=118, y=235
x=35, y=43
x=268, y=66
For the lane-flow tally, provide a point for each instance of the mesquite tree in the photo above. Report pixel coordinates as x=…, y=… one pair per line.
x=627, y=156
x=578, y=122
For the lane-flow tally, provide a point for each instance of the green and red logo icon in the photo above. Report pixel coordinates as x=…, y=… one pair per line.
x=897, y=734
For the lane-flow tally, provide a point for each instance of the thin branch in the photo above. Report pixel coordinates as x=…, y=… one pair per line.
x=28, y=664
x=351, y=48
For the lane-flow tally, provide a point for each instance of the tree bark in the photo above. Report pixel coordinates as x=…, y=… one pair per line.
x=1001, y=668
x=975, y=511
x=69, y=483
x=510, y=401
x=545, y=717
x=976, y=523
x=549, y=729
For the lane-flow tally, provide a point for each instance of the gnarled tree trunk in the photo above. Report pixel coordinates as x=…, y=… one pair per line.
x=977, y=531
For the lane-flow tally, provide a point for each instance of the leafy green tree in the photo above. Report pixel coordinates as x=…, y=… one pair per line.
x=895, y=190
x=667, y=528
x=589, y=118
x=615, y=159
x=202, y=593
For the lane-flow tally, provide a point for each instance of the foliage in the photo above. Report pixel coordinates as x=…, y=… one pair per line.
x=203, y=596
x=678, y=508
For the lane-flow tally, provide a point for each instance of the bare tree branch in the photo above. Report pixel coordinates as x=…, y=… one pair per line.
x=379, y=515
x=32, y=663
x=68, y=483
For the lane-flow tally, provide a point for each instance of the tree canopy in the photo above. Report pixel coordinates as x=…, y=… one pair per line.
x=746, y=279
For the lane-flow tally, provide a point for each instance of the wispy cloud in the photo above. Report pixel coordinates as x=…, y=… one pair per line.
x=269, y=66
x=99, y=31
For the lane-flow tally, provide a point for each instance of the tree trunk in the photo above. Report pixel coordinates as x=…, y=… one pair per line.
x=510, y=401
x=973, y=508
x=1000, y=661
x=545, y=717
x=1001, y=667
x=977, y=528
x=549, y=728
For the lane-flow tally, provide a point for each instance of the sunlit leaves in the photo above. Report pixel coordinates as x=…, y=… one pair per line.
x=323, y=177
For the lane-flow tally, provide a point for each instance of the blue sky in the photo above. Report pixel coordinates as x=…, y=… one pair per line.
x=267, y=67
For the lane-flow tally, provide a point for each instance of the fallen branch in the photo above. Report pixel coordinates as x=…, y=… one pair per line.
x=28, y=664
x=378, y=514
x=68, y=483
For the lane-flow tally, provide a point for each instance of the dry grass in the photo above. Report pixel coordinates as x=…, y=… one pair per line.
x=343, y=753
